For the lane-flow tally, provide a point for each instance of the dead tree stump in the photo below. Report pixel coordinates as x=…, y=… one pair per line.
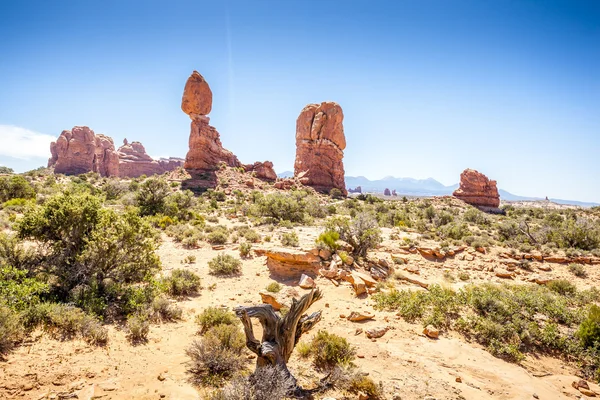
x=280, y=335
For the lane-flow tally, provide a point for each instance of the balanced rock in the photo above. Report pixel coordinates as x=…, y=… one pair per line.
x=80, y=150
x=320, y=144
x=197, y=96
x=134, y=161
x=476, y=189
x=206, y=152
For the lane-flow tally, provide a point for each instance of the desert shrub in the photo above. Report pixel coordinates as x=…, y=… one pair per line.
x=15, y=187
x=10, y=329
x=66, y=321
x=224, y=264
x=191, y=259
x=563, y=287
x=589, y=330
x=229, y=336
x=19, y=291
x=273, y=287
x=290, y=239
x=266, y=383
x=217, y=356
x=6, y=170
x=152, y=195
x=182, y=282
x=218, y=235
x=454, y=231
x=443, y=218
x=245, y=249
x=475, y=216
x=336, y=193
x=508, y=319
x=303, y=349
x=329, y=350
x=577, y=270
x=248, y=233
x=508, y=230
x=162, y=310
x=137, y=328
x=279, y=206
x=180, y=204
x=328, y=240
x=114, y=189
x=213, y=316
x=351, y=380
x=91, y=246
x=362, y=232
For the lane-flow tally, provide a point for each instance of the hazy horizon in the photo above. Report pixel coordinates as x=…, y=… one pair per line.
x=511, y=89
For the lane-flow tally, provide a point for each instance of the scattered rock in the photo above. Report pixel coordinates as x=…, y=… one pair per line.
x=356, y=316
x=306, y=282
x=292, y=263
x=431, y=332
x=375, y=333
x=502, y=273
x=269, y=298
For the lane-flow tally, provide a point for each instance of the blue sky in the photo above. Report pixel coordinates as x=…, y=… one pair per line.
x=428, y=87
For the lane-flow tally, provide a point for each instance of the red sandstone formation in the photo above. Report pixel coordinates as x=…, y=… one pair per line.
x=476, y=189
x=206, y=151
x=263, y=170
x=80, y=150
x=387, y=192
x=134, y=161
x=320, y=144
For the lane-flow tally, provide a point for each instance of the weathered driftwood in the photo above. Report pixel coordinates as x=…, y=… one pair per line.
x=280, y=335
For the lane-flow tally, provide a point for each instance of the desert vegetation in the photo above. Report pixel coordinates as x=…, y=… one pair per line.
x=80, y=259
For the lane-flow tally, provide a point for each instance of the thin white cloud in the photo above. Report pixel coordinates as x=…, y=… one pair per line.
x=23, y=144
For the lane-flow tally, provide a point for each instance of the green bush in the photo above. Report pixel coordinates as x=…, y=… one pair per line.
x=330, y=350
x=280, y=206
x=328, y=239
x=152, y=195
x=589, y=330
x=577, y=270
x=245, y=249
x=10, y=329
x=273, y=287
x=182, y=282
x=137, y=328
x=17, y=290
x=213, y=362
x=290, y=239
x=213, y=316
x=66, y=322
x=91, y=250
x=15, y=187
x=362, y=232
x=563, y=287
x=217, y=235
x=508, y=319
x=224, y=264
x=162, y=310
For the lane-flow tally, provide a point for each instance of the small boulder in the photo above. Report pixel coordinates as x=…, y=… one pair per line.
x=375, y=333
x=356, y=316
x=306, y=282
x=431, y=332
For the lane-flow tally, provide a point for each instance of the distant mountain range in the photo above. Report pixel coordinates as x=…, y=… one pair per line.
x=428, y=187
